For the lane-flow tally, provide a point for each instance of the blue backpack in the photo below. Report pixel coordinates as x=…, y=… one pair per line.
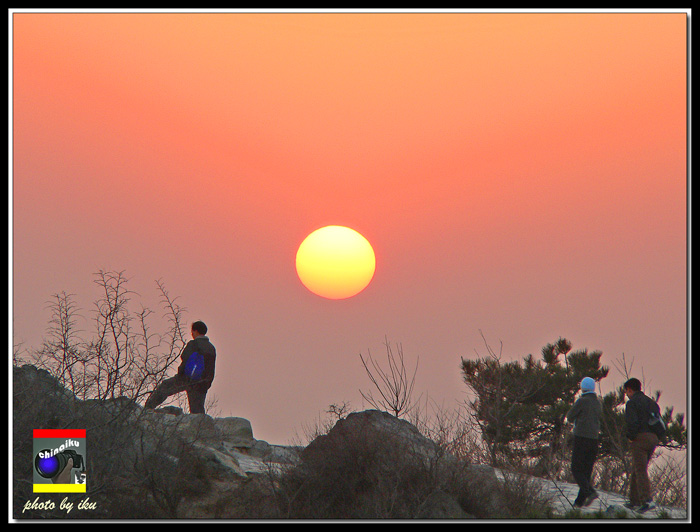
x=194, y=367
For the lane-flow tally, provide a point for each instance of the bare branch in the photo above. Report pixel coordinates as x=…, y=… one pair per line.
x=393, y=385
x=123, y=357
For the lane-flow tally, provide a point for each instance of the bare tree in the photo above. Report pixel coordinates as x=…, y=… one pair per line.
x=451, y=429
x=62, y=347
x=123, y=357
x=394, y=385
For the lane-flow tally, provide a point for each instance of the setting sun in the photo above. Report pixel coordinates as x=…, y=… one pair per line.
x=335, y=262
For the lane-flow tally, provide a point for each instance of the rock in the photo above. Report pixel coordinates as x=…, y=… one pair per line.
x=486, y=487
x=281, y=454
x=220, y=465
x=36, y=389
x=216, y=442
x=235, y=431
x=260, y=449
x=618, y=511
x=369, y=427
x=190, y=428
x=373, y=465
x=441, y=505
x=165, y=433
x=172, y=410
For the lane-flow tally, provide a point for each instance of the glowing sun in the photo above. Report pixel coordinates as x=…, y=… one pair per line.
x=335, y=262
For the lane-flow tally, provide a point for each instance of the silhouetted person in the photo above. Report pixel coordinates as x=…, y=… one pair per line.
x=642, y=444
x=585, y=415
x=186, y=379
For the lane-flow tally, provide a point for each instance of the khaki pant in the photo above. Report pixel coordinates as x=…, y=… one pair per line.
x=642, y=449
x=177, y=384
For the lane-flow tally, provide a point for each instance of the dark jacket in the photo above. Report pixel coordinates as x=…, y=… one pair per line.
x=637, y=414
x=202, y=345
x=585, y=415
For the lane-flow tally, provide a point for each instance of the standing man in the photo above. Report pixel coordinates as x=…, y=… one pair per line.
x=190, y=378
x=642, y=443
x=585, y=415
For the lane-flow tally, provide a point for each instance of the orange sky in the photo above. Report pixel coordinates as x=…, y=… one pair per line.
x=522, y=174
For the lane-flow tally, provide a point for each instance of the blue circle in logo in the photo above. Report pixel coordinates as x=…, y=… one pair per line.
x=47, y=467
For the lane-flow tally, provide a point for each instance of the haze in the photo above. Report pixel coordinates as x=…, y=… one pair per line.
x=523, y=175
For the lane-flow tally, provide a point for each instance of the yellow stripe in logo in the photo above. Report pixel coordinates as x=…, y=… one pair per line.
x=59, y=488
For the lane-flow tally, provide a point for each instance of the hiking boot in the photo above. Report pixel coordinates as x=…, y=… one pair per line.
x=631, y=506
x=649, y=505
x=591, y=497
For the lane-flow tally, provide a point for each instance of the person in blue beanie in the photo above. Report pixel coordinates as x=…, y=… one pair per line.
x=585, y=415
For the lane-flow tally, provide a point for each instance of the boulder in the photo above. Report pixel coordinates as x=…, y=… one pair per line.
x=235, y=431
x=217, y=443
x=369, y=427
x=440, y=505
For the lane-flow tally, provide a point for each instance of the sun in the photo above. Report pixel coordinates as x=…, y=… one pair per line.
x=335, y=262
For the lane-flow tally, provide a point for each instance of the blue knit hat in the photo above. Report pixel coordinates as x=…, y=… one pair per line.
x=588, y=385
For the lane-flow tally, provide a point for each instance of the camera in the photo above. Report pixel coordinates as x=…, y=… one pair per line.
x=48, y=466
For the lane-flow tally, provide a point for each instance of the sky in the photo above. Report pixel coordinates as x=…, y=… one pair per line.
x=518, y=175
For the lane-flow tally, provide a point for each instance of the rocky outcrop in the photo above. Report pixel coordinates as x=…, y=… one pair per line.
x=374, y=459
x=368, y=427
x=169, y=464
x=219, y=443
x=224, y=446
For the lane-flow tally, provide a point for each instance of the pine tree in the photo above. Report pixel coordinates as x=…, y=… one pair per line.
x=519, y=406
